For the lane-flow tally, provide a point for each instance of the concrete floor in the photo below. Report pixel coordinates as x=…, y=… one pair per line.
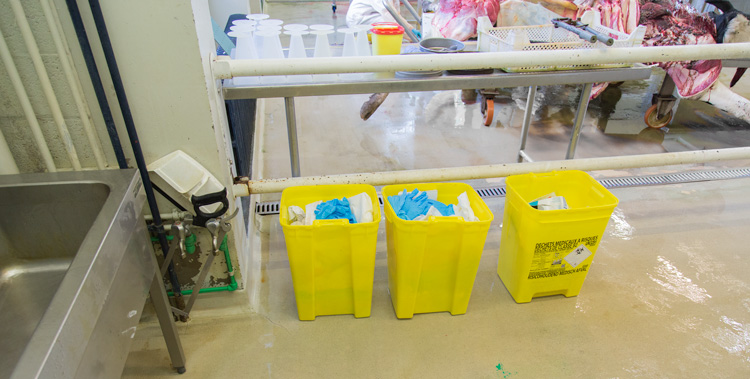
x=668, y=294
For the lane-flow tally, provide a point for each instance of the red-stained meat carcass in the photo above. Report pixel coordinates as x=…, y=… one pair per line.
x=457, y=19
x=621, y=15
x=669, y=22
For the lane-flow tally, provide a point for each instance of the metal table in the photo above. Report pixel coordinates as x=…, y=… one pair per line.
x=440, y=83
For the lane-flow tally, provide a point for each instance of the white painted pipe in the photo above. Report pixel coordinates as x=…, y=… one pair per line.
x=41, y=71
x=7, y=163
x=225, y=69
x=245, y=188
x=23, y=98
x=63, y=51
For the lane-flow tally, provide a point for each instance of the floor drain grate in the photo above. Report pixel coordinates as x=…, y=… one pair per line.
x=273, y=207
x=491, y=192
x=683, y=177
x=268, y=208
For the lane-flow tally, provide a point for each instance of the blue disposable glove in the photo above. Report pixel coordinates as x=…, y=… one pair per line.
x=335, y=209
x=409, y=206
x=445, y=210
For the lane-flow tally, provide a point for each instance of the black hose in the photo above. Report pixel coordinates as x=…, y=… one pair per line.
x=169, y=198
x=96, y=80
x=114, y=72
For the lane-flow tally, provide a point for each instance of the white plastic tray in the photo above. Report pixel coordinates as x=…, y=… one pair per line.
x=547, y=37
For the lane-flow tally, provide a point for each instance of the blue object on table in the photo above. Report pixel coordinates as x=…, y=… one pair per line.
x=335, y=209
x=409, y=206
x=222, y=39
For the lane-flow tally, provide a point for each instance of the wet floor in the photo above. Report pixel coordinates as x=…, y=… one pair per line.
x=666, y=296
x=445, y=129
x=668, y=293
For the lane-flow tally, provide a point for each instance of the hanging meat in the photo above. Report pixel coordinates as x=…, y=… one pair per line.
x=457, y=19
x=670, y=22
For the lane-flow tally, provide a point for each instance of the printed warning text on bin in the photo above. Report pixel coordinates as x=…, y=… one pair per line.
x=566, y=245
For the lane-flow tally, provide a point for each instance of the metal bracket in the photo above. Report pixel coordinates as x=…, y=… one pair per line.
x=180, y=231
x=168, y=258
x=218, y=227
x=663, y=99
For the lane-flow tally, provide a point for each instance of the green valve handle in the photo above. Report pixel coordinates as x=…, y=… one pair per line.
x=190, y=244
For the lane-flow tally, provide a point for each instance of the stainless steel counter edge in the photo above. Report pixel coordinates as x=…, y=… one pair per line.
x=45, y=355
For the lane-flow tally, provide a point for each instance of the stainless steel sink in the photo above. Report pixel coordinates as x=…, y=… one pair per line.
x=75, y=270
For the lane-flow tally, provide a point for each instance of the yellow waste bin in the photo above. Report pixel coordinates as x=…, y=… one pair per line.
x=549, y=252
x=332, y=262
x=387, y=38
x=432, y=264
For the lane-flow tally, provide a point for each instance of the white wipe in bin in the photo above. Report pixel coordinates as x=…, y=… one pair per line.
x=187, y=176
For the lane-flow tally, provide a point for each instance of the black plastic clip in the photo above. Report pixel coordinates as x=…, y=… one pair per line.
x=208, y=199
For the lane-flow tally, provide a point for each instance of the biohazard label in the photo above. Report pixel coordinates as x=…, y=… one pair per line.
x=551, y=258
x=577, y=256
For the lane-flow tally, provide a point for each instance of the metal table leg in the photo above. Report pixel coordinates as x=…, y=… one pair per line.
x=291, y=129
x=166, y=321
x=526, y=122
x=583, y=105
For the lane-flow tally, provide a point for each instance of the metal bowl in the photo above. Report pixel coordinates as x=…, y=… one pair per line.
x=440, y=45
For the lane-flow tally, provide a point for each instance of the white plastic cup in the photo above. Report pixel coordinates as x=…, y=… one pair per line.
x=321, y=27
x=350, y=50
x=297, y=50
x=322, y=46
x=350, y=43
x=271, y=50
x=323, y=50
x=273, y=28
x=242, y=22
x=363, y=45
x=243, y=27
x=245, y=49
x=257, y=16
x=271, y=21
x=293, y=27
x=296, y=43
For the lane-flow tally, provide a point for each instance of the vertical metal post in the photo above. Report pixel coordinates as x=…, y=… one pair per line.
x=583, y=105
x=412, y=11
x=291, y=130
x=163, y=312
x=526, y=123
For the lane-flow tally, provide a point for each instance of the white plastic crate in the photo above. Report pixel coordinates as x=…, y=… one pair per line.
x=547, y=37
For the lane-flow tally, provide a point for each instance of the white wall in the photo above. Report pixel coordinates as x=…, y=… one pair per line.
x=14, y=124
x=163, y=50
